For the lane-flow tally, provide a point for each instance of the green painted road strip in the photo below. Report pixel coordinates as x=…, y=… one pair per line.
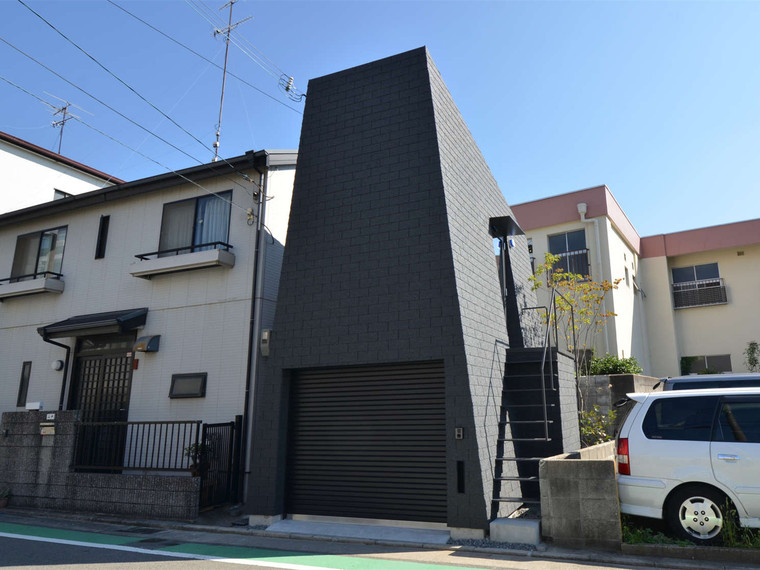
x=217, y=553
x=63, y=534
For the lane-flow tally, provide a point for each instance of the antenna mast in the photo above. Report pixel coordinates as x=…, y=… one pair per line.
x=226, y=31
x=62, y=123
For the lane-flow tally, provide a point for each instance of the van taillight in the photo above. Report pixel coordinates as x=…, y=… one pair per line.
x=624, y=468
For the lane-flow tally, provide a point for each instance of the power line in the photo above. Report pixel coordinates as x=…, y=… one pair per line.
x=112, y=74
x=79, y=120
x=107, y=106
x=203, y=57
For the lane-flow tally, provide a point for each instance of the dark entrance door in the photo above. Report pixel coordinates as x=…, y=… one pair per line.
x=100, y=390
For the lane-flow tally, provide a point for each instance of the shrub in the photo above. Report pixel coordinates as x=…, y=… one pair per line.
x=595, y=427
x=611, y=364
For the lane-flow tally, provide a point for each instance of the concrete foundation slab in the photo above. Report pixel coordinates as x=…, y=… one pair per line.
x=522, y=531
x=368, y=532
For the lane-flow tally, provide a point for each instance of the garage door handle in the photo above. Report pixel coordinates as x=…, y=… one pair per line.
x=726, y=457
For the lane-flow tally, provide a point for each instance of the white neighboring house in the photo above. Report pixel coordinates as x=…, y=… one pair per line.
x=33, y=175
x=686, y=301
x=145, y=301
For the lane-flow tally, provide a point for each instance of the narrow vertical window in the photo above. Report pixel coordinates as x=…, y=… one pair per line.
x=100, y=249
x=23, y=385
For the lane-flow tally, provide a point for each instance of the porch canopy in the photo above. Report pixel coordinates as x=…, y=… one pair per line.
x=96, y=323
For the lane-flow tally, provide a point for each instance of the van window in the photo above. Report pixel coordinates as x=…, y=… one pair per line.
x=739, y=421
x=687, y=419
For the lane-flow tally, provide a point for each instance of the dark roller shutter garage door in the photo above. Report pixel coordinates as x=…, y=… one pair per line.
x=368, y=442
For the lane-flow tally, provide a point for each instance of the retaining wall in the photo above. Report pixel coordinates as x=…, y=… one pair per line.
x=37, y=469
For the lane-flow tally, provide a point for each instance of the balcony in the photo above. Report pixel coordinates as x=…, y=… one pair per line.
x=216, y=254
x=700, y=293
x=575, y=261
x=32, y=284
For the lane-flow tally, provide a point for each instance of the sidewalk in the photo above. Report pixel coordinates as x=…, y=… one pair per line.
x=217, y=534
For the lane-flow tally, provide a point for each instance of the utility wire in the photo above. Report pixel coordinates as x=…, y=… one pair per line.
x=124, y=83
x=107, y=106
x=203, y=57
x=79, y=120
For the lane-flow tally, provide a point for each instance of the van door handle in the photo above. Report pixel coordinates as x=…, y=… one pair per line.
x=726, y=457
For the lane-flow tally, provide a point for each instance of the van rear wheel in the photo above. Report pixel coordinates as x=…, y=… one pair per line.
x=698, y=514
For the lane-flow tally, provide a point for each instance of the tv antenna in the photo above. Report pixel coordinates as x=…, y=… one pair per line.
x=63, y=110
x=226, y=31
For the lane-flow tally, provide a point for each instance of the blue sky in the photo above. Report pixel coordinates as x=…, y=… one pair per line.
x=658, y=100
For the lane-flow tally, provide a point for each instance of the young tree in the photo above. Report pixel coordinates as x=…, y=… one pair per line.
x=580, y=311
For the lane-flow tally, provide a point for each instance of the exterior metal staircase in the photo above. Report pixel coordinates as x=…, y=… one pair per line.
x=530, y=427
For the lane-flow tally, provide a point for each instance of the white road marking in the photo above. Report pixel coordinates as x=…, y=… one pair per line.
x=243, y=561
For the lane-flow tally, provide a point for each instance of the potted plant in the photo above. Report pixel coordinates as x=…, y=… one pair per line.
x=198, y=454
x=5, y=494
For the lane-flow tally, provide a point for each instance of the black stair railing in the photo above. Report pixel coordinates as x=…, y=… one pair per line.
x=527, y=463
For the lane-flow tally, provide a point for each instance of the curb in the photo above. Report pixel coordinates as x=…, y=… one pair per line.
x=647, y=555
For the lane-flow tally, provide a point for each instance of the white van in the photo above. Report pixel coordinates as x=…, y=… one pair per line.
x=687, y=455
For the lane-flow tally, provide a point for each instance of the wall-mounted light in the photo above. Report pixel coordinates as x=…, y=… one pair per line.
x=147, y=343
x=57, y=365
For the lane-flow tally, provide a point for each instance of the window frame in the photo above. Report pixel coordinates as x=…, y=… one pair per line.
x=200, y=393
x=102, y=243
x=35, y=274
x=23, y=385
x=225, y=195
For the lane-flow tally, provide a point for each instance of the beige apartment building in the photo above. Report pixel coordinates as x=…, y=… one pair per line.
x=685, y=302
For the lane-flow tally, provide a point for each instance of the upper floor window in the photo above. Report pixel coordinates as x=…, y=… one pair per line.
x=695, y=273
x=698, y=285
x=38, y=254
x=572, y=252
x=196, y=224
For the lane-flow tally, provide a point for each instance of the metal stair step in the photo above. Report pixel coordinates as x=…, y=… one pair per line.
x=516, y=422
x=520, y=458
x=516, y=500
x=516, y=478
x=524, y=439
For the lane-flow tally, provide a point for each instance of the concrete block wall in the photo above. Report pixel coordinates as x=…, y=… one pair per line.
x=605, y=390
x=568, y=402
x=579, y=499
x=37, y=469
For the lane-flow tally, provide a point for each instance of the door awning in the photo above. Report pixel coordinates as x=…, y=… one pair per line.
x=96, y=323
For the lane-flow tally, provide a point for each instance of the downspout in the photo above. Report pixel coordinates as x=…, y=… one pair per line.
x=65, y=367
x=582, y=209
x=642, y=317
x=253, y=330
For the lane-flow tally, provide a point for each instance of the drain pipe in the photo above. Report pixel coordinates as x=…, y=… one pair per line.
x=253, y=333
x=582, y=209
x=64, y=381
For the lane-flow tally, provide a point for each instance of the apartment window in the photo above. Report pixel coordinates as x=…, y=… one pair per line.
x=38, y=253
x=195, y=225
x=707, y=271
x=23, y=385
x=572, y=252
x=698, y=285
x=100, y=247
x=711, y=364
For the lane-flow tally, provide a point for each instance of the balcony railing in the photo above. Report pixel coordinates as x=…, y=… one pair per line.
x=575, y=261
x=699, y=293
x=183, y=250
x=32, y=276
x=31, y=284
x=144, y=446
x=175, y=260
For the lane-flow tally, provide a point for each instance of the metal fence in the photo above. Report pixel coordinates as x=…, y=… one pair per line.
x=147, y=446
